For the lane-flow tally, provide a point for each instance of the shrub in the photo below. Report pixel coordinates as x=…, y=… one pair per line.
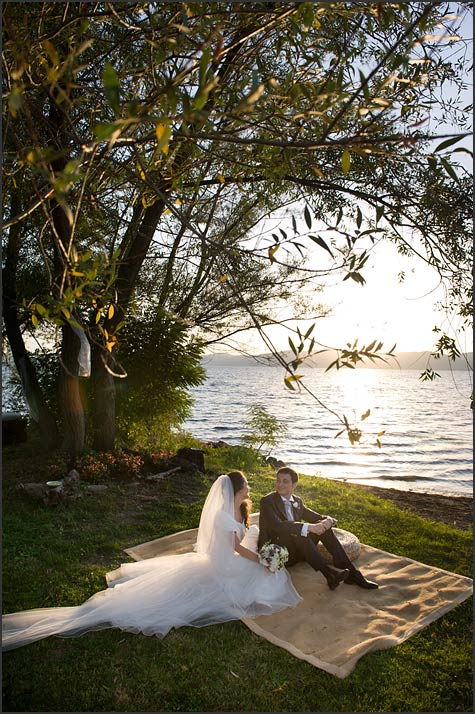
x=92, y=467
x=55, y=472
x=161, y=456
x=222, y=459
x=265, y=429
x=162, y=362
x=158, y=457
x=119, y=464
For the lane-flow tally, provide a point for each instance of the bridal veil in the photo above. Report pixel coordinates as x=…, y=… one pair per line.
x=210, y=585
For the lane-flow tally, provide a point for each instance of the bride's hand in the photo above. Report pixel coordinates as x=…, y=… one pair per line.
x=245, y=552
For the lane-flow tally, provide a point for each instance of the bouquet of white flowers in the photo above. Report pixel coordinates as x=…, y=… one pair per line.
x=273, y=556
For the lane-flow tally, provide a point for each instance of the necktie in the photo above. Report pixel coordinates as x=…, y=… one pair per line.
x=288, y=510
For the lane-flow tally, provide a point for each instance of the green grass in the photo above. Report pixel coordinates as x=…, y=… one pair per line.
x=59, y=556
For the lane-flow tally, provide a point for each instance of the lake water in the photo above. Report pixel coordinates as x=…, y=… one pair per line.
x=427, y=445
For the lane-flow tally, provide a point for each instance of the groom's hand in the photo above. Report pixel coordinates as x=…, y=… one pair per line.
x=321, y=527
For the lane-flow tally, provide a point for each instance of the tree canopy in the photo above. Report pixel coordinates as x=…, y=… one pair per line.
x=145, y=143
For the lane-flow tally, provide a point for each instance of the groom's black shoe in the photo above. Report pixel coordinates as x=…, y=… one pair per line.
x=335, y=577
x=355, y=577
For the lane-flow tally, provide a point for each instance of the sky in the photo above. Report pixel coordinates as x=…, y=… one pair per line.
x=384, y=308
x=404, y=313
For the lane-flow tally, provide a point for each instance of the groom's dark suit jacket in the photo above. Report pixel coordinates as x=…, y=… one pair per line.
x=273, y=523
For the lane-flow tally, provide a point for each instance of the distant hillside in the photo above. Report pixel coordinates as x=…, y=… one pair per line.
x=405, y=360
x=227, y=359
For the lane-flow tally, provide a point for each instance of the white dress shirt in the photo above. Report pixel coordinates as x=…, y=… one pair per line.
x=290, y=514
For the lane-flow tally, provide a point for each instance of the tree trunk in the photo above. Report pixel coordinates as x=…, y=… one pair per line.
x=32, y=391
x=72, y=398
x=71, y=392
x=104, y=403
x=37, y=407
x=134, y=247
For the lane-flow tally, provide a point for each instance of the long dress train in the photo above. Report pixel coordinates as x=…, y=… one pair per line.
x=211, y=585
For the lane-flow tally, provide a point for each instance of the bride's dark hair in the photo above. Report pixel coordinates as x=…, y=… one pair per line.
x=237, y=480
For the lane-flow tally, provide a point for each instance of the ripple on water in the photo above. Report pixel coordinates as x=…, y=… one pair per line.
x=428, y=426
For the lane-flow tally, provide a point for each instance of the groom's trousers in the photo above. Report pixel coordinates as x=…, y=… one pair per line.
x=305, y=549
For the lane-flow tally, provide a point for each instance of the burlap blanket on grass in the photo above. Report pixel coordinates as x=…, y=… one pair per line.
x=333, y=629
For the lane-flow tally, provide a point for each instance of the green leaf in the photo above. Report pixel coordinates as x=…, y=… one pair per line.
x=76, y=324
x=41, y=310
x=111, y=86
x=307, y=15
x=71, y=167
x=462, y=149
x=204, y=63
x=448, y=142
x=450, y=170
x=172, y=98
x=364, y=84
x=379, y=213
x=292, y=346
x=345, y=161
x=319, y=241
x=308, y=217
x=309, y=331
x=357, y=277
x=432, y=163
x=15, y=101
x=359, y=217
x=299, y=247
x=104, y=131
x=200, y=99
x=335, y=362
x=132, y=108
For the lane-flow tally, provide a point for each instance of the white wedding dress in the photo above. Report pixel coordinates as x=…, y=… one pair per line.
x=210, y=585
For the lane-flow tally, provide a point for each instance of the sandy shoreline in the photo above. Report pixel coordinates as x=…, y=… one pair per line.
x=456, y=511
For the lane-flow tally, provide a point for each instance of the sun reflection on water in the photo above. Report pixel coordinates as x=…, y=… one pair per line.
x=359, y=401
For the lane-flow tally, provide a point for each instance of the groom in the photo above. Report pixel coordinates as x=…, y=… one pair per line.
x=280, y=522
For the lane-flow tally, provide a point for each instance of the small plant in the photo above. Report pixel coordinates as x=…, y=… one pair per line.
x=264, y=430
x=93, y=467
x=122, y=463
x=161, y=456
x=220, y=460
x=55, y=472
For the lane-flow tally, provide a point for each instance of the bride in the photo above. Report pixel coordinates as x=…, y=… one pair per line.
x=221, y=580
